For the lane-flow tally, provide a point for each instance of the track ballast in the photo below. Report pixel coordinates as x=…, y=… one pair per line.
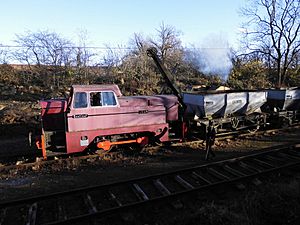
x=86, y=204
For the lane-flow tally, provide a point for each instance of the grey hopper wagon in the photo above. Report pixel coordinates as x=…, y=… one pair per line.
x=284, y=99
x=223, y=105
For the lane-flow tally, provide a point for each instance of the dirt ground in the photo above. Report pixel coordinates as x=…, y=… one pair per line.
x=19, y=184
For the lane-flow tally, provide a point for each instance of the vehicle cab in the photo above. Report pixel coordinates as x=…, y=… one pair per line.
x=98, y=116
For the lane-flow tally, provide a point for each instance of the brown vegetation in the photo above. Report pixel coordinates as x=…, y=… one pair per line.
x=48, y=63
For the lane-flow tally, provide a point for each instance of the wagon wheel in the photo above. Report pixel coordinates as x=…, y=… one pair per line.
x=286, y=122
x=253, y=131
x=234, y=122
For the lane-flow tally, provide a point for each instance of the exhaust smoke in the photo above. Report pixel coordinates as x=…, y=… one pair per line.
x=213, y=57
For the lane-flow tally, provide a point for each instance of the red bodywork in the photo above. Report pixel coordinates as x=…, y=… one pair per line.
x=71, y=127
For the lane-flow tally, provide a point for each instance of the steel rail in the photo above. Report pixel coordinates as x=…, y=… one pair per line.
x=212, y=174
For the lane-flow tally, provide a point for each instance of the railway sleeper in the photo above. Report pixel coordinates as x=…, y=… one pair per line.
x=183, y=182
x=30, y=206
x=161, y=187
x=288, y=156
x=32, y=214
x=139, y=192
x=250, y=168
x=90, y=204
x=263, y=163
x=218, y=174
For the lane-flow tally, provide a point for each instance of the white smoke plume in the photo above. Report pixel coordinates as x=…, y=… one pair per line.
x=213, y=57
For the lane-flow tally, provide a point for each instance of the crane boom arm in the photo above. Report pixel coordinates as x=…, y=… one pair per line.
x=152, y=52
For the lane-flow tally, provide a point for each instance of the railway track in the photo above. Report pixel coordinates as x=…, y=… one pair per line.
x=81, y=206
x=245, y=133
x=34, y=161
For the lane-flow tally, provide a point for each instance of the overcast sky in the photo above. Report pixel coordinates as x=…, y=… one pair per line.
x=113, y=22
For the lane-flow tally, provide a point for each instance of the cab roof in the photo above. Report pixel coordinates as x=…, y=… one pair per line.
x=98, y=87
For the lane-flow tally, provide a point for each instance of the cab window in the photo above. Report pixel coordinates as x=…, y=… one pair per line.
x=103, y=98
x=80, y=100
x=108, y=99
x=95, y=98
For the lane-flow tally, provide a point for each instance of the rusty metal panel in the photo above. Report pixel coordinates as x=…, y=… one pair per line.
x=170, y=102
x=75, y=143
x=53, y=114
x=113, y=117
x=99, y=87
x=53, y=106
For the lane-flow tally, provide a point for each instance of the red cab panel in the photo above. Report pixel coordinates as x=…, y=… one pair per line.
x=95, y=112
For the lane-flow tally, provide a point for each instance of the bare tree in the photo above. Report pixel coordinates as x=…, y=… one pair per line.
x=167, y=42
x=45, y=48
x=273, y=30
x=112, y=56
x=111, y=61
x=139, y=43
x=138, y=55
x=84, y=57
x=4, y=54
